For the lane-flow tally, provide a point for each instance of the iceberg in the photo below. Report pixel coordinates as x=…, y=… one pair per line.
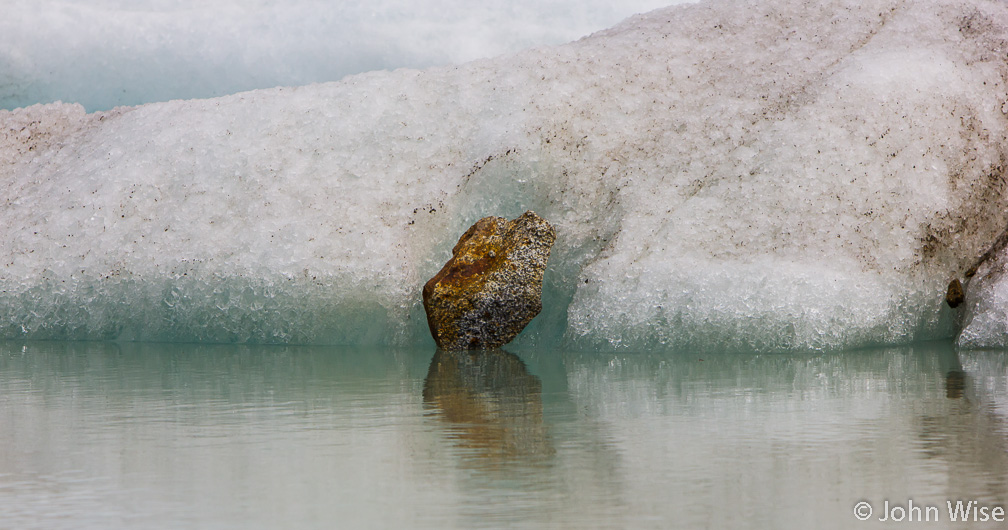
x=728, y=175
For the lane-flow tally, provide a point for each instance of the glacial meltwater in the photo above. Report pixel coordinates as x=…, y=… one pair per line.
x=106, y=435
x=210, y=309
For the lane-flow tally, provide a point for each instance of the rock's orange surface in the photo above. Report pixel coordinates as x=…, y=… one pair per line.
x=492, y=285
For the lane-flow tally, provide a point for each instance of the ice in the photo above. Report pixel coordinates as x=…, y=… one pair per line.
x=104, y=53
x=984, y=318
x=725, y=175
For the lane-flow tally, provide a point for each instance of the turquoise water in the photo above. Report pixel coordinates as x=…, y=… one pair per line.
x=106, y=435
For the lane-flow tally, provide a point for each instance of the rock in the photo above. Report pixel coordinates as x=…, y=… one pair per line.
x=492, y=285
x=955, y=295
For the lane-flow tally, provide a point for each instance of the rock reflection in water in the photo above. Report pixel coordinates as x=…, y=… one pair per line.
x=967, y=433
x=955, y=384
x=492, y=403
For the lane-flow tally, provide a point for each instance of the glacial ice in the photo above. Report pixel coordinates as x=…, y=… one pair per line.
x=726, y=175
x=105, y=53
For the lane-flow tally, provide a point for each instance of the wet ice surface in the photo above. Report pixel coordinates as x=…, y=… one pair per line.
x=163, y=436
x=728, y=175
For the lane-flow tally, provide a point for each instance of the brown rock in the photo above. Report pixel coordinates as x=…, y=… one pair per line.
x=955, y=295
x=492, y=286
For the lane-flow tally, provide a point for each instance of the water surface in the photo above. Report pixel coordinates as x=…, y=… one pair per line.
x=106, y=435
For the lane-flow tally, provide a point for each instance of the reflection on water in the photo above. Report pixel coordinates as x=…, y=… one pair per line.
x=492, y=402
x=968, y=439
x=101, y=435
x=806, y=435
x=955, y=384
